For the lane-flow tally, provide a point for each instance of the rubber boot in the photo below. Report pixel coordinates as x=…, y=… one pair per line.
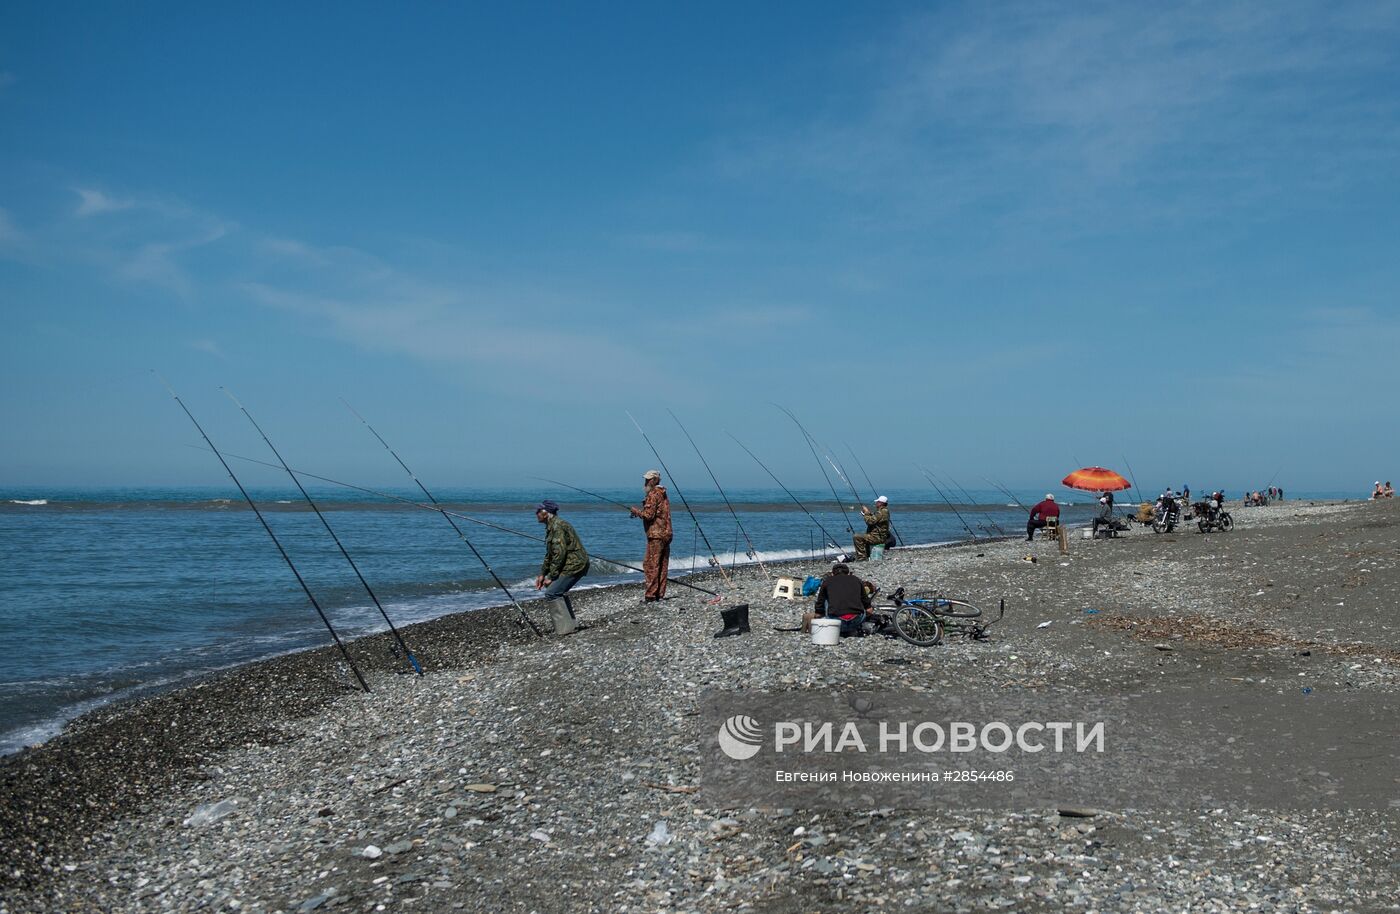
x=736, y=621
x=564, y=624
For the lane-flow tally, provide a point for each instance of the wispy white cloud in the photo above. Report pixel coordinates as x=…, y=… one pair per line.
x=9, y=233
x=670, y=242
x=94, y=202
x=1041, y=109
x=210, y=347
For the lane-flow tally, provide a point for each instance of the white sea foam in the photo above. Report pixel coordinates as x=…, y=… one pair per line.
x=30, y=501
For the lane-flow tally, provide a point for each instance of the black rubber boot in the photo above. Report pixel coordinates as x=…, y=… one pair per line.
x=736, y=621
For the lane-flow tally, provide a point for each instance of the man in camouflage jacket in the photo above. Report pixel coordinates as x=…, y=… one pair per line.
x=877, y=528
x=655, y=514
x=565, y=559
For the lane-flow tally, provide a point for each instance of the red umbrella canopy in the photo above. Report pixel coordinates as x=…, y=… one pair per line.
x=1095, y=479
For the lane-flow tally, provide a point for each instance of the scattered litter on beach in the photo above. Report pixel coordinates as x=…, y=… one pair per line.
x=210, y=813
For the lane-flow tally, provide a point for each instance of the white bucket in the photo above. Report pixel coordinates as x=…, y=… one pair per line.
x=826, y=632
x=1088, y=533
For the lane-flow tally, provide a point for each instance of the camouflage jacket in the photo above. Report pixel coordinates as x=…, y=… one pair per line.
x=656, y=514
x=563, y=550
x=877, y=523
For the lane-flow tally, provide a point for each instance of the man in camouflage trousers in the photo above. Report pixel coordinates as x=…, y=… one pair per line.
x=877, y=528
x=565, y=563
x=655, y=514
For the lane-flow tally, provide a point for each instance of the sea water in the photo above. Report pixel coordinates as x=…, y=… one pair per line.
x=109, y=593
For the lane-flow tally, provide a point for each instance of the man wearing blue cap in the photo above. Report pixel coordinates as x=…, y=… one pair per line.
x=565, y=564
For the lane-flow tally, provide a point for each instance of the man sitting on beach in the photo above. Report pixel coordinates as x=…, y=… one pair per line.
x=877, y=528
x=565, y=564
x=842, y=596
x=1041, y=515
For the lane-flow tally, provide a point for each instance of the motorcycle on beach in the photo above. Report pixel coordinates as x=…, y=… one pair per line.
x=1211, y=515
x=1166, y=515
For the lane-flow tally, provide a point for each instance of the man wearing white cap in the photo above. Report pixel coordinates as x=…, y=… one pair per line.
x=655, y=514
x=877, y=528
x=1041, y=515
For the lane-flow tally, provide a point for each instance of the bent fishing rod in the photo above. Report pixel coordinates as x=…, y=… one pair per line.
x=565, y=485
x=714, y=559
x=412, y=660
x=830, y=540
x=854, y=494
x=973, y=502
x=1009, y=494
x=898, y=540
x=1134, y=478
x=466, y=517
x=479, y=557
x=275, y=541
x=753, y=552
x=811, y=446
x=947, y=501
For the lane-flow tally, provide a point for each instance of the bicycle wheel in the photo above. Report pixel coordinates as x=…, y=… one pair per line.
x=918, y=626
x=955, y=609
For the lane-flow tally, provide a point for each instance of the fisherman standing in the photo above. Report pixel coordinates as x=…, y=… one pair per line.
x=655, y=514
x=877, y=528
x=565, y=564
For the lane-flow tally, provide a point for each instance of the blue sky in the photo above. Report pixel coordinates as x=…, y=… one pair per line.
x=1002, y=239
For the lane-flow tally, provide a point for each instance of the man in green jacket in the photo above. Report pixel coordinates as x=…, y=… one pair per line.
x=565, y=564
x=877, y=528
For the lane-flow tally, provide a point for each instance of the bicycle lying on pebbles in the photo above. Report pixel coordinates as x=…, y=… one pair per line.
x=925, y=620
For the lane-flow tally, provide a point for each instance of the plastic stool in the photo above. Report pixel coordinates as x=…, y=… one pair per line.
x=877, y=552
x=785, y=589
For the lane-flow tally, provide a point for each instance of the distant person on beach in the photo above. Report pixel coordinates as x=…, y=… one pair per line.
x=1377, y=492
x=877, y=528
x=1185, y=491
x=1389, y=490
x=1041, y=515
x=565, y=561
x=655, y=514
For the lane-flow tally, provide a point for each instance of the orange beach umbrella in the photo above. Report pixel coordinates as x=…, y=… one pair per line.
x=1095, y=479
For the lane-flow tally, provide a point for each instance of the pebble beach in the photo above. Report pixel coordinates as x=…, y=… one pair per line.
x=562, y=774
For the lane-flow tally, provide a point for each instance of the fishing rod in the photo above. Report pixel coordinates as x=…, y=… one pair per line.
x=753, y=552
x=973, y=502
x=1009, y=494
x=276, y=542
x=412, y=660
x=947, y=501
x=1134, y=477
x=479, y=557
x=898, y=540
x=830, y=540
x=466, y=517
x=714, y=559
x=565, y=485
x=812, y=447
x=854, y=494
